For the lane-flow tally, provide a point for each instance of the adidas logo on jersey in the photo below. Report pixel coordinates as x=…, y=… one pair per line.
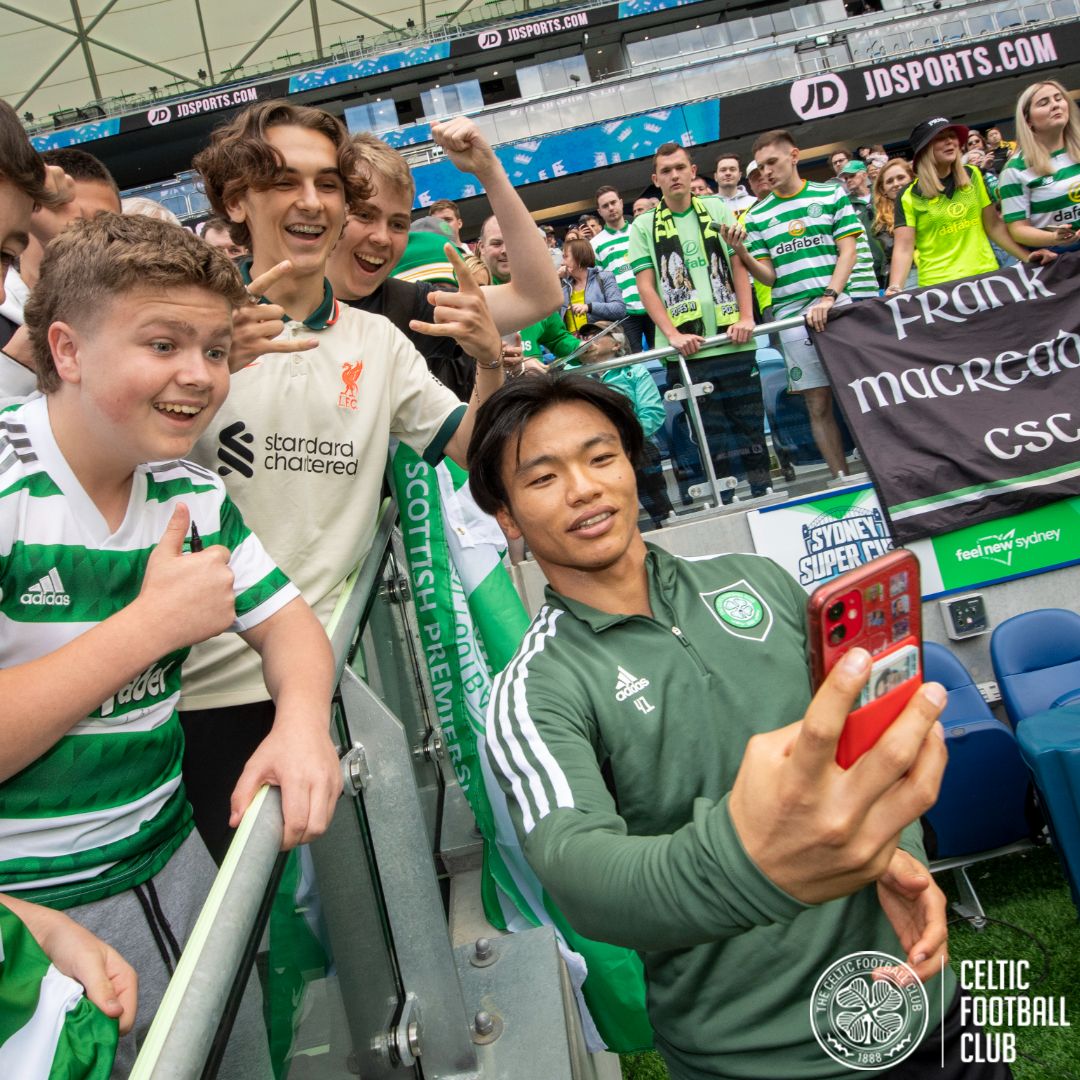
x=627, y=685
x=48, y=592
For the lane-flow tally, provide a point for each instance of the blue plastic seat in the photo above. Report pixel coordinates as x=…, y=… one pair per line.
x=1036, y=658
x=984, y=790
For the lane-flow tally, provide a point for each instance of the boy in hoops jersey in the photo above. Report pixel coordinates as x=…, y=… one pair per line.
x=104, y=587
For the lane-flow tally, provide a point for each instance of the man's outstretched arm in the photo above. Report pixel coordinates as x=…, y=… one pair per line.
x=533, y=291
x=796, y=829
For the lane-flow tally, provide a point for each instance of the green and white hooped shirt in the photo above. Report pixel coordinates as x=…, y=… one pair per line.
x=612, y=249
x=49, y=1028
x=1046, y=201
x=798, y=233
x=104, y=808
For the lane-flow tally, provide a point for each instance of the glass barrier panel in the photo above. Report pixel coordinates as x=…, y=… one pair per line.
x=716, y=36
x=806, y=16
x=741, y=30
x=607, y=103
x=638, y=96
x=641, y=52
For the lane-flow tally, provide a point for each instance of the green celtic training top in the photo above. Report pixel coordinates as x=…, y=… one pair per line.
x=612, y=743
x=798, y=233
x=1046, y=201
x=104, y=808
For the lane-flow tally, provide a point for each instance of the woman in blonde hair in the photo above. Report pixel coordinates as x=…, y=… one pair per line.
x=946, y=215
x=893, y=177
x=1041, y=181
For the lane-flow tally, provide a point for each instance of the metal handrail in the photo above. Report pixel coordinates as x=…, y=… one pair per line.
x=669, y=353
x=760, y=330
x=213, y=967
x=183, y=1032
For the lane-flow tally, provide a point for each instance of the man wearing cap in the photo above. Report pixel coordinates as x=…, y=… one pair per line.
x=424, y=258
x=857, y=181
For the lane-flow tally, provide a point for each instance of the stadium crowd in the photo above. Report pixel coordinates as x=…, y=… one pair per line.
x=314, y=320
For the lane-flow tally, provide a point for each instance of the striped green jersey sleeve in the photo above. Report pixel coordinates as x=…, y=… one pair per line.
x=1046, y=201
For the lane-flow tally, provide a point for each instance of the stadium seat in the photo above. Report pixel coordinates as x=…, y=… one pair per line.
x=1036, y=658
x=1050, y=744
x=983, y=792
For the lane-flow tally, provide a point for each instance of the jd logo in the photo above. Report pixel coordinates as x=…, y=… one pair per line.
x=820, y=95
x=489, y=39
x=161, y=115
x=233, y=453
x=741, y=610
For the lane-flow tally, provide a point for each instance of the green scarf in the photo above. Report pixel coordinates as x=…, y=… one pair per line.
x=676, y=285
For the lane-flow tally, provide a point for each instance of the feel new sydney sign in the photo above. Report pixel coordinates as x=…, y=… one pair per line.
x=964, y=397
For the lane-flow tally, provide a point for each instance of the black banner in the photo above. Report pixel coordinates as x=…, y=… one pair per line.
x=834, y=93
x=498, y=37
x=236, y=98
x=964, y=397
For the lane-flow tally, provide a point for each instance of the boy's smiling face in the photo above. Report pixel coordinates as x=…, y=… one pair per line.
x=301, y=217
x=149, y=372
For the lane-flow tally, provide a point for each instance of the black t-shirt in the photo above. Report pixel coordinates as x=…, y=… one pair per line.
x=7, y=330
x=399, y=301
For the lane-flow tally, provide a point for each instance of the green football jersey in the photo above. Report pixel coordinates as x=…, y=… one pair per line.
x=104, y=808
x=798, y=233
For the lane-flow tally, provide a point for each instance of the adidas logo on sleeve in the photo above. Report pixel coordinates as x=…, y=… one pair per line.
x=48, y=592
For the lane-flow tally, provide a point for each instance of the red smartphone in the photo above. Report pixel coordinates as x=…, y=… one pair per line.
x=877, y=607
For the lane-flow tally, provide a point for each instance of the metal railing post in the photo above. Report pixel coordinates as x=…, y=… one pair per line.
x=668, y=354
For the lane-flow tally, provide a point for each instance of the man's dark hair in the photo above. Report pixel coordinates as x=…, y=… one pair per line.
x=239, y=158
x=842, y=150
x=768, y=138
x=604, y=190
x=502, y=419
x=80, y=165
x=669, y=148
x=727, y=157
x=20, y=163
x=444, y=204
